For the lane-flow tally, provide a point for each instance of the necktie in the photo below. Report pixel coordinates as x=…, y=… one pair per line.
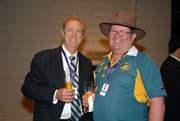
x=75, y=105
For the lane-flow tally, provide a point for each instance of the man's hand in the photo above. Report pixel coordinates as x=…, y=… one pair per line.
x=65, y=95
x=85, y=101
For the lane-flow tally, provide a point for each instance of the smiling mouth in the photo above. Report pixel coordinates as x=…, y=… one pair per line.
x=117, y=41
x=73, y=39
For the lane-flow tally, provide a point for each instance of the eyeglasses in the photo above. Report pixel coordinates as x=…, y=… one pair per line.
x=122, y=33
x=70, y=30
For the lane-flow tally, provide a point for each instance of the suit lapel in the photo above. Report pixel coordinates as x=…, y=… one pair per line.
x=81, y=74
x=59, y=67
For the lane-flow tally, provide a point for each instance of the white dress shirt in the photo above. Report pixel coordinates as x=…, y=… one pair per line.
x=66, y=113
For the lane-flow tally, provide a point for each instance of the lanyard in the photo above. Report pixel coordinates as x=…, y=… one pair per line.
x=111, y=69
x=70, y=69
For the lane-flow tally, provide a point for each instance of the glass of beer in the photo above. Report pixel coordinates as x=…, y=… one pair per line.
x=68, y=81
x=88, y=88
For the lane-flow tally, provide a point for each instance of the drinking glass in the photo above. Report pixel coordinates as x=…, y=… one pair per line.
x=88, y=88
x=68, y=81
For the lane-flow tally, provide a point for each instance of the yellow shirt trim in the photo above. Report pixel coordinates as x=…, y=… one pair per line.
x=139, y=90
x=109, y=57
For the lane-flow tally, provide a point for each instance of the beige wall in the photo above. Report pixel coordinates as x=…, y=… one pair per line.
x=28, y=26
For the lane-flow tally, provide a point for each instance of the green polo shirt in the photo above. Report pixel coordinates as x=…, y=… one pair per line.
x=135, y=80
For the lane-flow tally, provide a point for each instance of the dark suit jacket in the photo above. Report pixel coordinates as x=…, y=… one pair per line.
x=170, y=71
x=45, y=76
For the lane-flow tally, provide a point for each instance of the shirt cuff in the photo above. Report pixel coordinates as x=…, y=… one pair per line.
x=54, y=98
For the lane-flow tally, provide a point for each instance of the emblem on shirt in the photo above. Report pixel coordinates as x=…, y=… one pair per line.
x=103, y=75
x=125, y=67
x=96, y=88
x=102, y=63
x=105, y=67
x=162, y=87
x=100, y=68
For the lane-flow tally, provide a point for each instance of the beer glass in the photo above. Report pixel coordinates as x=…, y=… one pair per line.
x=88, y=88
x=68, y=81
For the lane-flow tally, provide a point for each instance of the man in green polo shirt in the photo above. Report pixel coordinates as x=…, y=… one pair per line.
x=128, y=82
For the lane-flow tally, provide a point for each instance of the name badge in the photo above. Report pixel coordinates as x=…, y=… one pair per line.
x=104, y=89
x=75, y=92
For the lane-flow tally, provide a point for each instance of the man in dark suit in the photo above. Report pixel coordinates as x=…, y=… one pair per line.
x=45, y=83
x=170, y=71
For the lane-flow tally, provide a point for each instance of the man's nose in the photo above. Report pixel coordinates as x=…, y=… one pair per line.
x=74, y=33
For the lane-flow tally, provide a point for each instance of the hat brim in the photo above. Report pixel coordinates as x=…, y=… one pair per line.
x=105, y=29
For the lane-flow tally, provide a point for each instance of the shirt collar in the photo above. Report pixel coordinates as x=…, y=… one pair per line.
x=68, y=54
x=175, y=58
x=131, y=52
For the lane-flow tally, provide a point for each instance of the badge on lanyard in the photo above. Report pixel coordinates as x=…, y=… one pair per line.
x=75, y=92
x=104, y=89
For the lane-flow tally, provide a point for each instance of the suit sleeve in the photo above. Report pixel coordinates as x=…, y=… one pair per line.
x=35, y=86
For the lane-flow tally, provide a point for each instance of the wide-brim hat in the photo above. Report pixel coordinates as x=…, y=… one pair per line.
x=124, y=19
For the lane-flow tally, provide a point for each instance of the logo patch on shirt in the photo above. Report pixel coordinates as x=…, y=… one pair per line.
x=103, y=75
x=100, y=68
x=162, y=87
x=125, y=67
x=102, y=63
x=96, y=88
x=105, y=67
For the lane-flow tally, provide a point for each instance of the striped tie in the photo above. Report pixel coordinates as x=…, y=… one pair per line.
x=75, y=105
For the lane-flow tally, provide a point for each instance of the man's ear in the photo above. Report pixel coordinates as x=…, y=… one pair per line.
x=83, y=36
x=133, y=37
x=62, y=33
